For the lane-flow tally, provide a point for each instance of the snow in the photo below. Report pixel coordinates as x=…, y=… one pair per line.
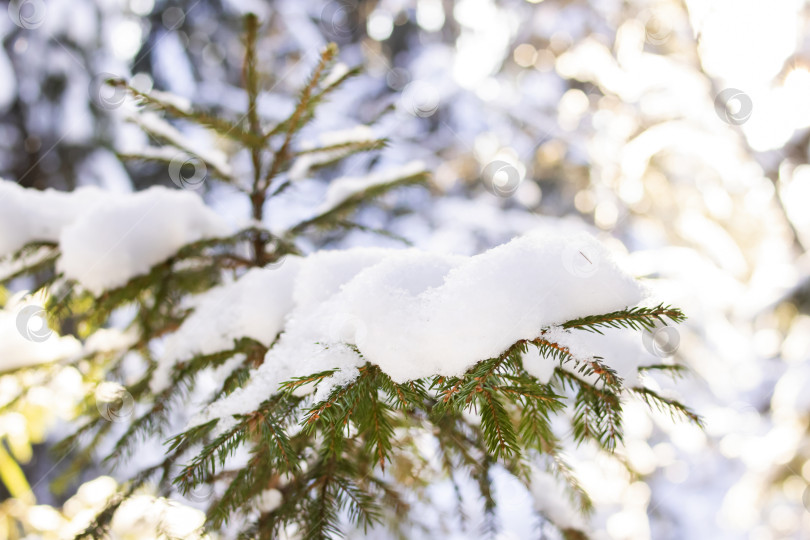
x=111, y=243
x=105, y=238
x=551, y=500
x=327, y=271
x=254, y=306
x=620, y=347
x=340, y=378
x=268, y=500
x=339, y=71
x=155, y=124
x=178, y=102
x=10, y=266
x=417, y=314
x=103, y=168
x=28, y=215
x=25, y=341
x=536, y=365
x=110, y=339
x=144, y=515
x=357, y=133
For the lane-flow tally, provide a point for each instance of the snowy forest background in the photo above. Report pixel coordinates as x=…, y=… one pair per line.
x=676, y=132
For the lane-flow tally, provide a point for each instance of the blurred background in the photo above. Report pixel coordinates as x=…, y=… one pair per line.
x=676, y=131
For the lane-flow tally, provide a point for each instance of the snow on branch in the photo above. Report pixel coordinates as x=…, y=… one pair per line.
x=104, y=238
x=416, y=314
x=331, y=147
x=160, y=128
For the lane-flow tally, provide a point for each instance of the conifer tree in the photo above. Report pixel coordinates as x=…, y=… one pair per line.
x=344, y=456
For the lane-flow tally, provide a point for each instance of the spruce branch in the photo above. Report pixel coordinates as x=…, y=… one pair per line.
x=674, y=408
x=298, y=382
x=217, y=451
x=33, y=258
x=154, y=421
x=638, y=318
x=498, y=429
x=315, y=99
x=351, y=225
x=351, y=202
x=221, y=126
x=298, y=118
x=163, y=131
x=674, y=370
x=342, y=149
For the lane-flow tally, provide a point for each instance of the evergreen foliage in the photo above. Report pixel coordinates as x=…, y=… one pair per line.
x=353, y=455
